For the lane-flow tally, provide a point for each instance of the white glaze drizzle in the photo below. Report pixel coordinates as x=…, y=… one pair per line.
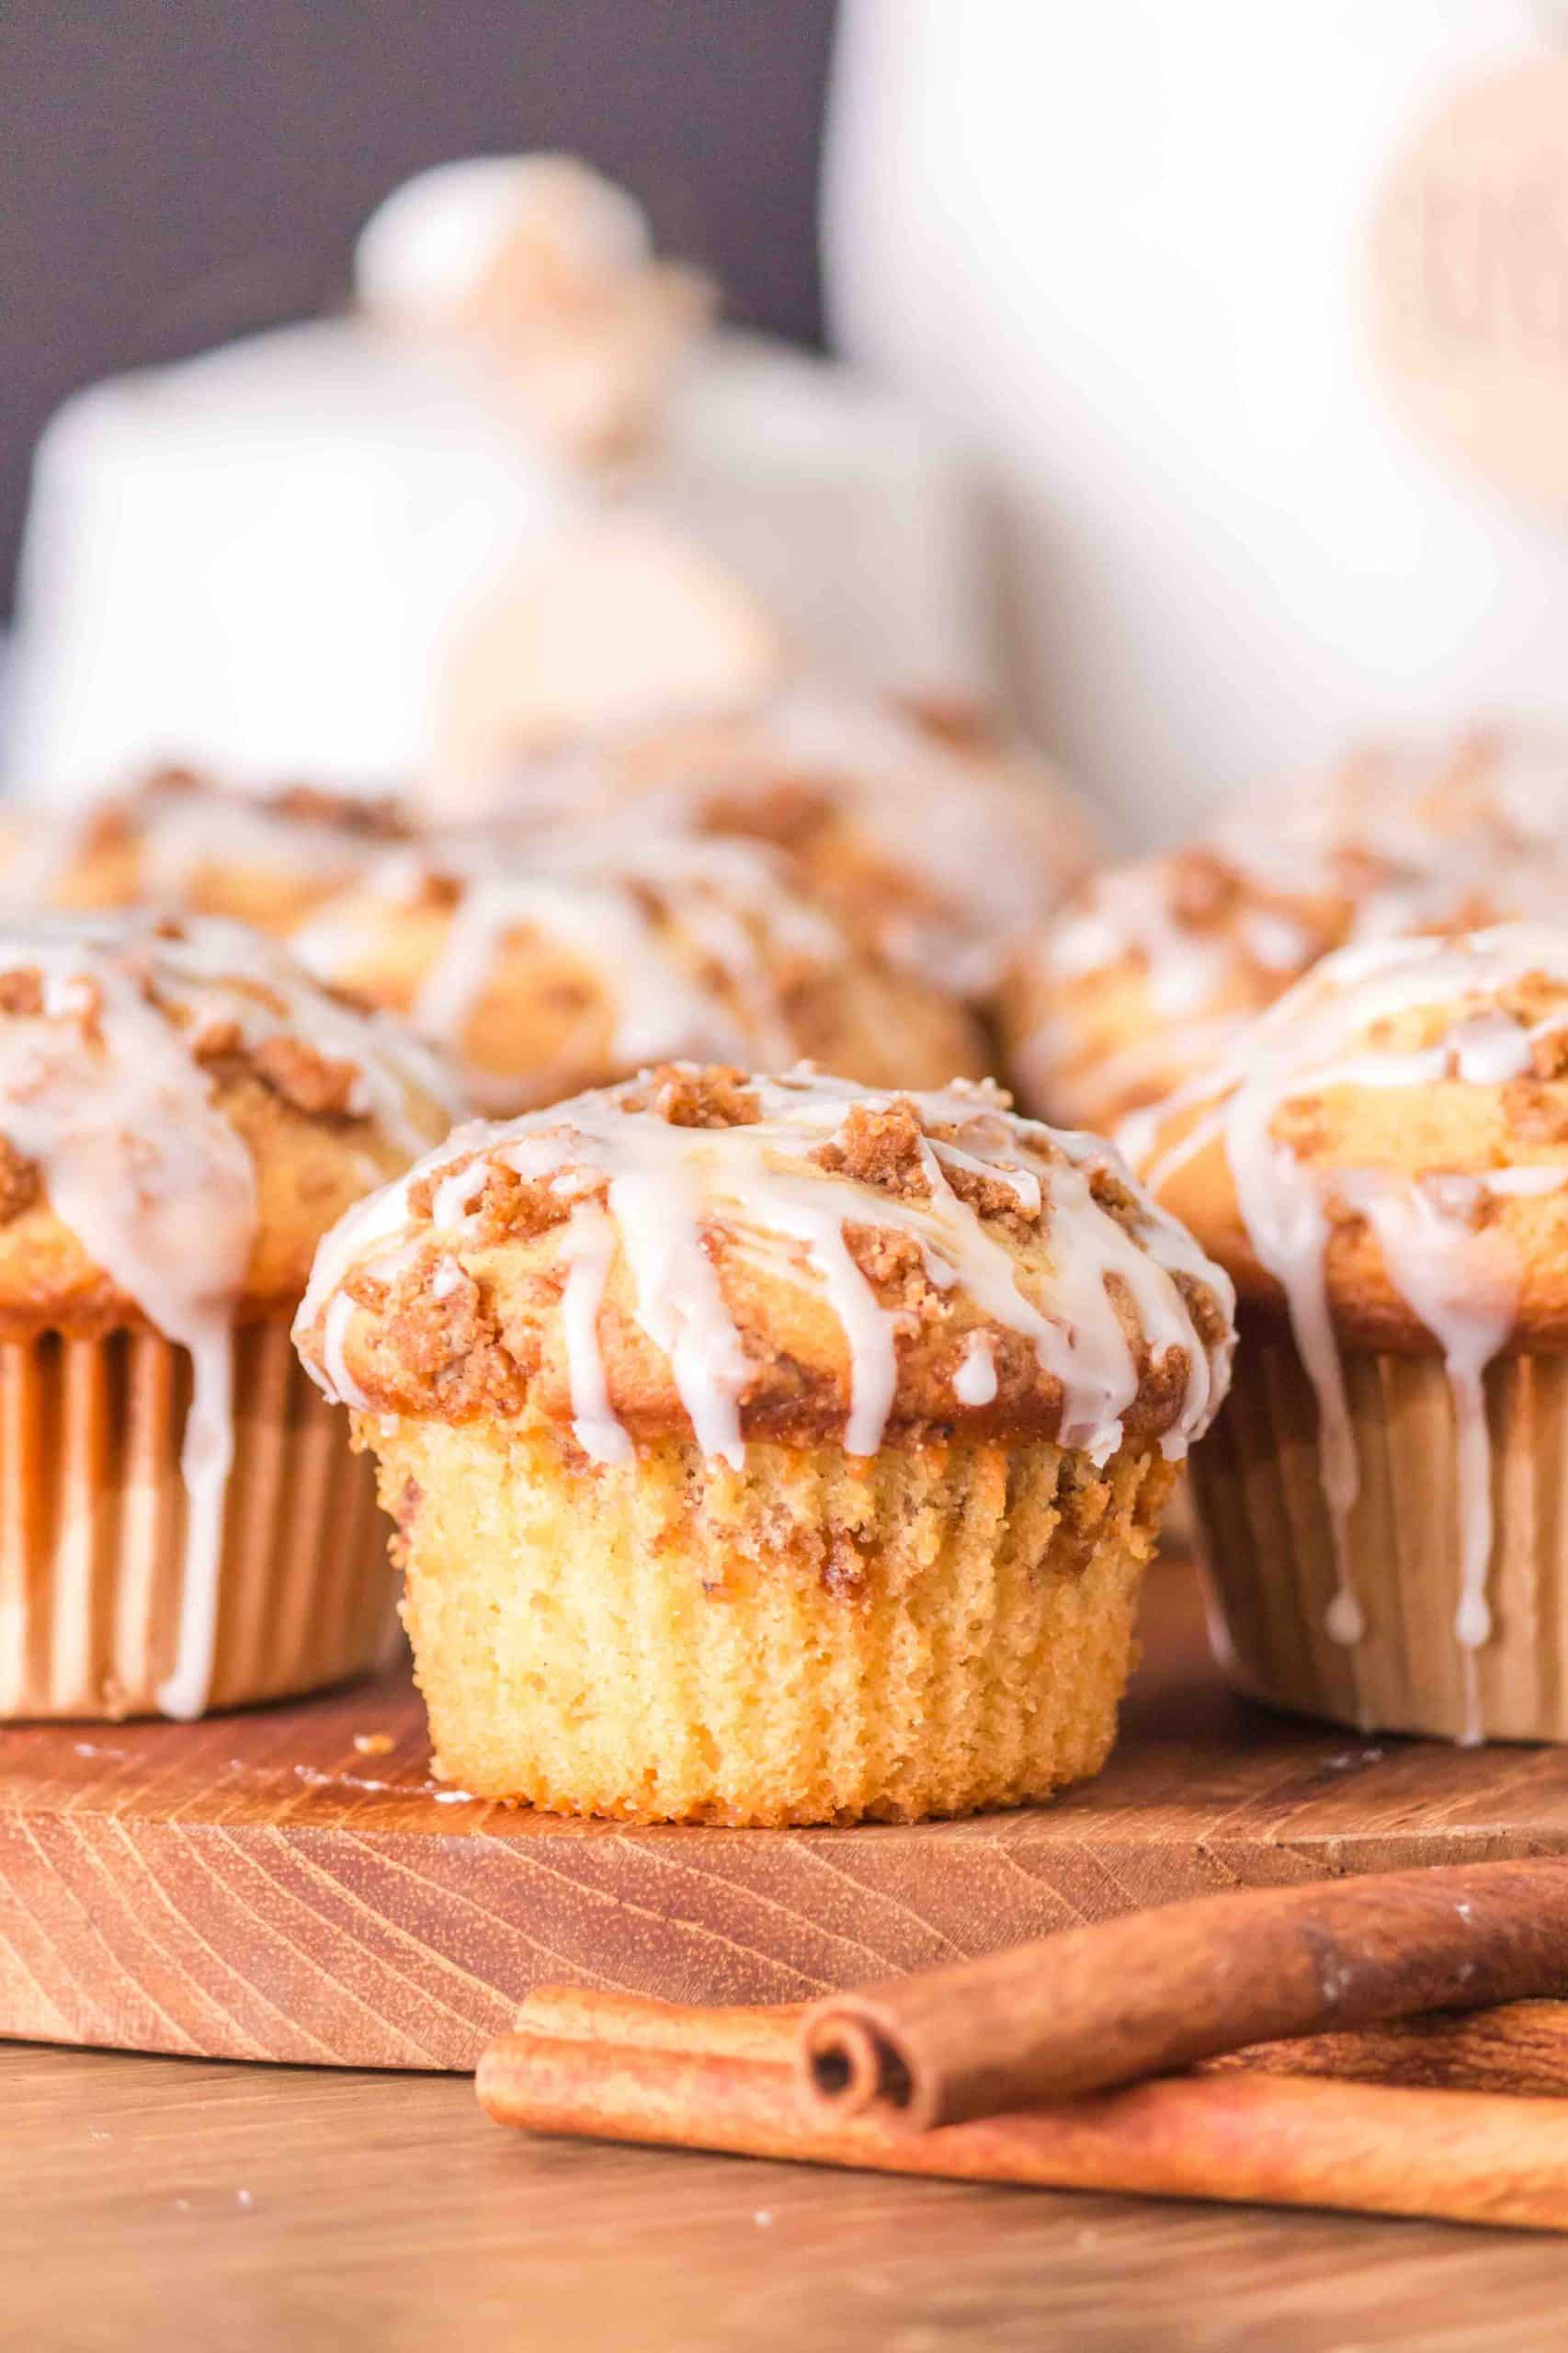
x=658, y=1009
x=344, y=1384
x=126, y=1140
x=663, y=1185
x=262, y=985
x=991, y=842
x=448, y=1277
x=974, y=1384
x=1130, y=911
x=1400, y=842
x=1278, y=942
x=175, y=834
x=587, y=1254
x=1482, y=789
x=101, y=1092
x=726, y=904
x=178, y=834
x=1460, y=1279
x=1467, y=1297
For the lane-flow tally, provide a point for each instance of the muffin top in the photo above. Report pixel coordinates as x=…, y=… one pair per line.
x=1387, y=1147
x=945, y=839
x=1155, y=966
x=1504, y=787
x=180, y=841
x=182, y=1113
x=578, y=957
x=697, y=1254
x=1150, y=970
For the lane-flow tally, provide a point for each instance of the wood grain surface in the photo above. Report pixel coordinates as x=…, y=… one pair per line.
x=259, y=1887
x=156, y=2202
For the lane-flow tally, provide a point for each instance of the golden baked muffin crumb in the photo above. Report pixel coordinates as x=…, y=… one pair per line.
x=770, y=1449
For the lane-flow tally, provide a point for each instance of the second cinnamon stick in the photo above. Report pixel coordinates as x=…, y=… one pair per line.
x=725, y=2030
x=1457, y=2155
x=1519, y=2047
x=1162, y=1989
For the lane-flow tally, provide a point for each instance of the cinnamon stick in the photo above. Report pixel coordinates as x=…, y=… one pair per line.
x=735, y=2031
x=1459, y=2156
x=1519, y=2047
x=1159, y=1991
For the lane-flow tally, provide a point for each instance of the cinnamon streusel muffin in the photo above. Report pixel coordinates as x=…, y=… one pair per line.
x=921, y=823
x=594, y=950
x=1381, y=1164
x=189, y=847
x=1155, y=966
x=770, y=1451
x=182, y=1114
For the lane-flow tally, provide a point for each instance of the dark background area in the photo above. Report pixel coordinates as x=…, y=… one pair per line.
x=171, y=174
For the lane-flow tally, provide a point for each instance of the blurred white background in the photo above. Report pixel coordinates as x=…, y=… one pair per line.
x=1122, y=247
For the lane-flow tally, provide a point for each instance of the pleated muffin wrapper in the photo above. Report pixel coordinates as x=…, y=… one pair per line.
x=809, y=1639
x=1269, y=1557
x=93, y=1591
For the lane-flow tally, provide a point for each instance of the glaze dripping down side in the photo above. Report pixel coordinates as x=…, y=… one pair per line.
x=1348, y=1025
x=1099, y=1301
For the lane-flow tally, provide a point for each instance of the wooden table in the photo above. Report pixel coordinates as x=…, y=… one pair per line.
x=258, y=1887
x=283, y=2209
x=255, y=2210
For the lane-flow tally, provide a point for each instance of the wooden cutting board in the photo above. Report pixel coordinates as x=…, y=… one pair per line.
x=259, y=1887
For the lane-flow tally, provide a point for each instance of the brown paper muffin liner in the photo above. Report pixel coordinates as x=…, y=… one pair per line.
x=1270, y=1555
x=92, y=1529
x=809, y=1639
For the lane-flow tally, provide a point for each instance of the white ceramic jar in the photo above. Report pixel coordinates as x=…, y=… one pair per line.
x=1125, y=248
